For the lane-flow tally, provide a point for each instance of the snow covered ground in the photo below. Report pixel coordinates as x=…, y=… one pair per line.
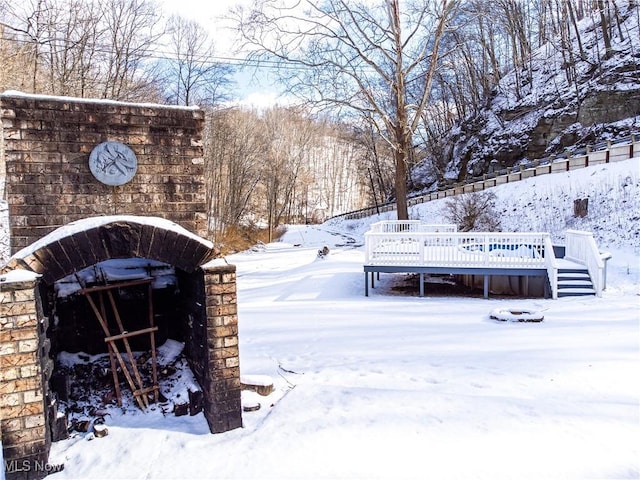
x=395, y=386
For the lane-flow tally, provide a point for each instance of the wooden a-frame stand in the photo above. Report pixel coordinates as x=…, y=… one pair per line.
x=140, y=392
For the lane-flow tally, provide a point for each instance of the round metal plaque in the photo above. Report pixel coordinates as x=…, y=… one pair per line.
x=113, y=163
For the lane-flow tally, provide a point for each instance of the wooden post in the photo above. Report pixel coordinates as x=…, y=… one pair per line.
x=154, y=359
x=112, y=360
x=125, y=340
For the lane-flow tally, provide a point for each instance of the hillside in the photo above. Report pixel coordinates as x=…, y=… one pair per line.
x=557, y=102
x=536, y=204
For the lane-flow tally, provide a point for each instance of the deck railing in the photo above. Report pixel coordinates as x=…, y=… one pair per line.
x=581, y=248
x=468, y=249
x=552, y=267
x=410, y=243
x=395, y=226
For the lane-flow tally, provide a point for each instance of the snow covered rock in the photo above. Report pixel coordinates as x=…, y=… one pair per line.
x=516, y=315
x=261, y=384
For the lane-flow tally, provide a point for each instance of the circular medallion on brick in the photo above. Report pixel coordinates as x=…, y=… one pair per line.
x=113, y=163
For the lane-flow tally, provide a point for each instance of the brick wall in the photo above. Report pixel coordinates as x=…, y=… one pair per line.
x=222, y=385
x=22, y=409
x=47, y=142
x=210, y=323
x=212, y=343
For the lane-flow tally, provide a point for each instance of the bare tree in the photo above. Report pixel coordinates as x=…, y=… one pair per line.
x=289, y=135
x=376, y=160
x=574, y=22
x=336, y=171
x=375, y=59
x=605, y=23
x=192, y=76
x=132, y=29
x=53, y=38
x=70, y=52
x=234, y=146
x=279, y=166
x=96, y=48
x=473, y=212
x=515, y=21
x=14, y=55
x=25, y=21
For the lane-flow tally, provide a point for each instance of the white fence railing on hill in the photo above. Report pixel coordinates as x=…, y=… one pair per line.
x=581, y=248
x=612, y=153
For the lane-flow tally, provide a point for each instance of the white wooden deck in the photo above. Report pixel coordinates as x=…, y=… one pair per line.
x=411, y=247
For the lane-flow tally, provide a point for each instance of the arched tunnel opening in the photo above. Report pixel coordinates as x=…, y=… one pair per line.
x=117, y=312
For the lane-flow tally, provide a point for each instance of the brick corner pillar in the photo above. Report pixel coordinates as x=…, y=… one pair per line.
x=25, y=439
x=223, y=407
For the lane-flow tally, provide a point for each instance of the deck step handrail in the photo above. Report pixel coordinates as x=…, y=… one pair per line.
x=581, y=248
x=552, y=266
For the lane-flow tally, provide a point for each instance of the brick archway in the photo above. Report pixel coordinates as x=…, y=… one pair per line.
x=47, y=144
x=89, y=241
x=207, y=299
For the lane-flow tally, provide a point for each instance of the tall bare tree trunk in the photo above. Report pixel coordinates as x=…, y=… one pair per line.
x=401, y=182
x=604, y=25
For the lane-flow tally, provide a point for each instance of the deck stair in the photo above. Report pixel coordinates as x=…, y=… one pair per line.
x=574, y=282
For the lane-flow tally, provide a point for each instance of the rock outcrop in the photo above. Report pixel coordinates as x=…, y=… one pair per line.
x=546, y=108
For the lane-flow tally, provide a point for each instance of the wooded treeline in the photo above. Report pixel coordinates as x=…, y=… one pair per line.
x=280, y=166
x=264, y=167
x=437, y=61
